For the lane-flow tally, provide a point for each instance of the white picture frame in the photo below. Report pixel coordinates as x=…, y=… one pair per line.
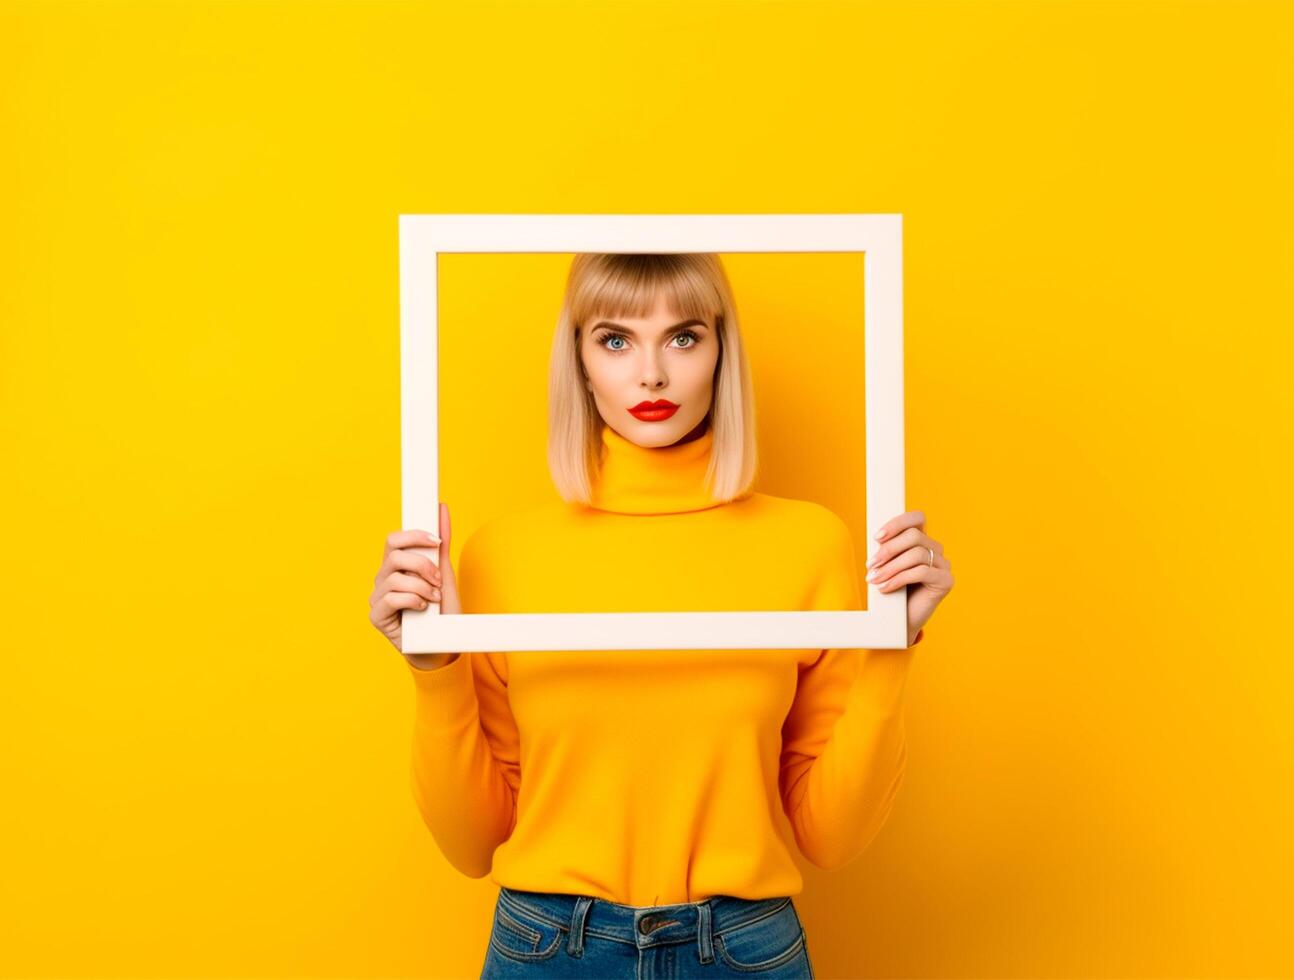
x=423, y=237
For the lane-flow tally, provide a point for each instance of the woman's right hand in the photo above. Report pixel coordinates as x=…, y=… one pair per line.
x=409, y=580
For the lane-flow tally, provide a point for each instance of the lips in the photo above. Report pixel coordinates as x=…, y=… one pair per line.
x=656, y=411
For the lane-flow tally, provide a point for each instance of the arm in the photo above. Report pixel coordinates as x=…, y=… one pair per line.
x=465, y=771
x=844, y=752
x=844, y=748
x=466, y=748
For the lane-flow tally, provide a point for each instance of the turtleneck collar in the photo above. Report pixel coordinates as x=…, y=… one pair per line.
x=644, y=480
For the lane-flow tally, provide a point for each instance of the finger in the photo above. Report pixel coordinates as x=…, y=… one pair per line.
x=392, y=602
x=442, y=521
x=411, y=561
x=901, y=561
x=408, y=582
x=909, y=518
x=405, y=561
x=917, y=573
x=911, y=538
x=413, y=538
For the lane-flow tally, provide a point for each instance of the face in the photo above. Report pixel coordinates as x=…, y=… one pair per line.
x=662, y=358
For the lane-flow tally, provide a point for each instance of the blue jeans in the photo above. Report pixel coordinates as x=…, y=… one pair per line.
x=545, y=934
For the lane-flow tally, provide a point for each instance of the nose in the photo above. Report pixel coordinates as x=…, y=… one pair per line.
x=653, y=375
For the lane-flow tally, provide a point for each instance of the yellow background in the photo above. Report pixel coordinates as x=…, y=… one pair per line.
x=204, y=742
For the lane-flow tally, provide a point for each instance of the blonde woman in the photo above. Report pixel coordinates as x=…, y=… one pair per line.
x=637, y=808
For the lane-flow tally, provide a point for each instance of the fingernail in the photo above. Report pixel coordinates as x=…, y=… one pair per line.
x=435, y=594
x=871, y=575
x=432, y=538
x=880, y=535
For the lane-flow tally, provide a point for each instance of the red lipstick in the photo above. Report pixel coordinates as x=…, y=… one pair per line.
x=657, y=411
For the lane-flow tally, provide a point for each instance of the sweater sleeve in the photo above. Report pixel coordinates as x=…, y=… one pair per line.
x=466, y=750
x=844, y=748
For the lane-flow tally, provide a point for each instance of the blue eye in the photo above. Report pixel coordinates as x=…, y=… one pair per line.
x=606, y=338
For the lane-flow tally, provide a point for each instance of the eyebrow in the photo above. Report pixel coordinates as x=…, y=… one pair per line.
x=623, y=329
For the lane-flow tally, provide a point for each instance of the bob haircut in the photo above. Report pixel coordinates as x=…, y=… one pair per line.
x=628, y=285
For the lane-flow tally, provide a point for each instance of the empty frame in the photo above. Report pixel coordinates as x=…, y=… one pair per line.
x=424, y=239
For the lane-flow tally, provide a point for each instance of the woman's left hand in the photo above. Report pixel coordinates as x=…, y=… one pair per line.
x=909, y=556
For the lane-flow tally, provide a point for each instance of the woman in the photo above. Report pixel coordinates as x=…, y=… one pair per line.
x=633, y=806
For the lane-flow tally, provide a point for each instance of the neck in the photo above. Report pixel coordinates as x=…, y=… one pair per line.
x=636, y=479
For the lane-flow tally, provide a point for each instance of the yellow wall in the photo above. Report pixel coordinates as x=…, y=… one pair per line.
x=205, y=744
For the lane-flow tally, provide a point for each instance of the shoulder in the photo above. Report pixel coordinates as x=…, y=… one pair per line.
x=825, y=554
x=812, y=523
x=506, y=532
x=505, y=556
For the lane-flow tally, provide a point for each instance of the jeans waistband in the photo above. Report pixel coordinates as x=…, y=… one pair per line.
x=641, y=926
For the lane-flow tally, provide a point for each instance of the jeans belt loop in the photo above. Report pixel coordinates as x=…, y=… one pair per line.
x=575, y=944
x=704, y=938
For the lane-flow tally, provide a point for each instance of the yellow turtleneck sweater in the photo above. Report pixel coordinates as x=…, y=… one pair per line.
x=662, y=776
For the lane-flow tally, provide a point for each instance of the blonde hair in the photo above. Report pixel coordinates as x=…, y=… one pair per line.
x=629, y=285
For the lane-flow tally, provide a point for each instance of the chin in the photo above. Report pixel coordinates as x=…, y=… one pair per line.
x=648, y=434
x=679, y=432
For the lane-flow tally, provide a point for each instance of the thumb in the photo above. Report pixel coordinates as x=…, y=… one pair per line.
x=444, y=532
x=449, y=600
